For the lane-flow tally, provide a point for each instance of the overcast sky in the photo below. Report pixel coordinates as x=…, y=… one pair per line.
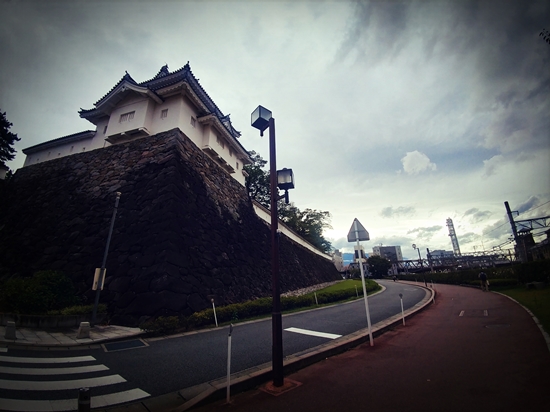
x=398, y=113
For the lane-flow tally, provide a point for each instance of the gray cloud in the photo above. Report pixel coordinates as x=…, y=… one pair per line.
x=400, y=211
x=425, y=233
x=477, y=215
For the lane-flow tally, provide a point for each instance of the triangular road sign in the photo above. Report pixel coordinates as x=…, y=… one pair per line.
x=357, y=232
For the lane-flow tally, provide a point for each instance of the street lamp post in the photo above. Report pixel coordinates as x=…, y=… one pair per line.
x=101, y=276
x=262, y=119
x=421, y=266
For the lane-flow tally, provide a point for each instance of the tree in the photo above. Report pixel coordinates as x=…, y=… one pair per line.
x=309, y=224
x=257, y=181
x=378, y=266
x=7, y=139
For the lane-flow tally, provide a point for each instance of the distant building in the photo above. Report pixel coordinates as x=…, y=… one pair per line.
x=438, y=254
x=338, y=260
x=132, y=110
x=392, y=253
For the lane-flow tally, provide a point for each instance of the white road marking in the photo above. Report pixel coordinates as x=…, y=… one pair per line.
x=313, y=333
x=15, y=359
x=60, y=385
x=52, y=371
x=71, y=404
x=119, y=397
x=461, y=313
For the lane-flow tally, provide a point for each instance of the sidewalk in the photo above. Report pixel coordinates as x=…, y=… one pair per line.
x=470, y=351
x=65, y=337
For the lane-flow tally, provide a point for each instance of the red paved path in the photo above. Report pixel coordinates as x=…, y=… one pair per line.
x=439, y=361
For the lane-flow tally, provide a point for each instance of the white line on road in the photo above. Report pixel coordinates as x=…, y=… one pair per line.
x=461, y=313
x=60, y=385
x=313, y=333
x=53, y=371
x=15, y=359
x=17, y=405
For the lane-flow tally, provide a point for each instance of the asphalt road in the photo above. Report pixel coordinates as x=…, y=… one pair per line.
x=170, y=364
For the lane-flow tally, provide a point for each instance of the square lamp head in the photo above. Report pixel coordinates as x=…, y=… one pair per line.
x=260, y=119
x=285, y=179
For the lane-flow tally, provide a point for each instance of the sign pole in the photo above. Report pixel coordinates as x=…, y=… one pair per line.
x=363, y=281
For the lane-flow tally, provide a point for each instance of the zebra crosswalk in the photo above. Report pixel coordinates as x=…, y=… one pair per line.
x=36, y=384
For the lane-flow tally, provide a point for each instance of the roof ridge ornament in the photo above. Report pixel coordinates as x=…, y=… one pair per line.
x=162, y=72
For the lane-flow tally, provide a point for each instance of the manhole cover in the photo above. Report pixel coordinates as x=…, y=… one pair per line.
x=127, y=344
x=504, y=325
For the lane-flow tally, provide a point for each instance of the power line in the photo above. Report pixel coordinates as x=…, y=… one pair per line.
x=536, y=207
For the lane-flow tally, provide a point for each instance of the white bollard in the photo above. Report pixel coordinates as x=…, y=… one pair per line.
x=316, y=301
x=83, y=331
x=356, y=292
x=214, y=308
x=402, y=311
x=228, y=394
x=10, y=331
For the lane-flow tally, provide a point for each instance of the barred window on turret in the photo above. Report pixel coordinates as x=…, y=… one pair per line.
x=126, y=117
x=164, y=114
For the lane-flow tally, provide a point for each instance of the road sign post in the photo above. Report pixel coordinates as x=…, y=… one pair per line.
x=356, y=233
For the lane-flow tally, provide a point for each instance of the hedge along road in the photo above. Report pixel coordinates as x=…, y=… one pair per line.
x=173, y=363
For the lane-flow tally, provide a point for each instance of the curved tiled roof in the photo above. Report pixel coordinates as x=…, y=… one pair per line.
x=75, y=137
x=165, y=78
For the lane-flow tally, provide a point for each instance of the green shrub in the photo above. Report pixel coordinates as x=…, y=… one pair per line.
x=161, y=325
x=264, y=306
x=78, y=310
x=44, y=291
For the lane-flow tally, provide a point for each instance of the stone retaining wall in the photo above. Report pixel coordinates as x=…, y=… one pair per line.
x=185, y=230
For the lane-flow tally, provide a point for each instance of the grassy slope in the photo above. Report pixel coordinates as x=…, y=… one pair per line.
x=536, y=300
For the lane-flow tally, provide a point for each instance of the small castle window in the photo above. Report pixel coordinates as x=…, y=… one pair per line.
x=220, y=142
x=126, y=117
x=105, y=129
x=164, y=114
x=193, y=121
x=72, y=147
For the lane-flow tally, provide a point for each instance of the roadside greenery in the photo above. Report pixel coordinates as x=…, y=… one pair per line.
x=340, y=292
x=504, y=276
x=45, y=291
x=78, y=310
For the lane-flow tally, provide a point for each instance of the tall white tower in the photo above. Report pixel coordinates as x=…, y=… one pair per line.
x=454, y=239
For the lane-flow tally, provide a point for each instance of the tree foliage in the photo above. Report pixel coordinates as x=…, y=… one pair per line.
x=378, y=266
x=309, y=223
x=7, y=139
x=44, y=291
x=257, y=182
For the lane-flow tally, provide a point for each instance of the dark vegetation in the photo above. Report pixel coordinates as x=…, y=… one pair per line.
x=504, y=276
x=45, y=293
